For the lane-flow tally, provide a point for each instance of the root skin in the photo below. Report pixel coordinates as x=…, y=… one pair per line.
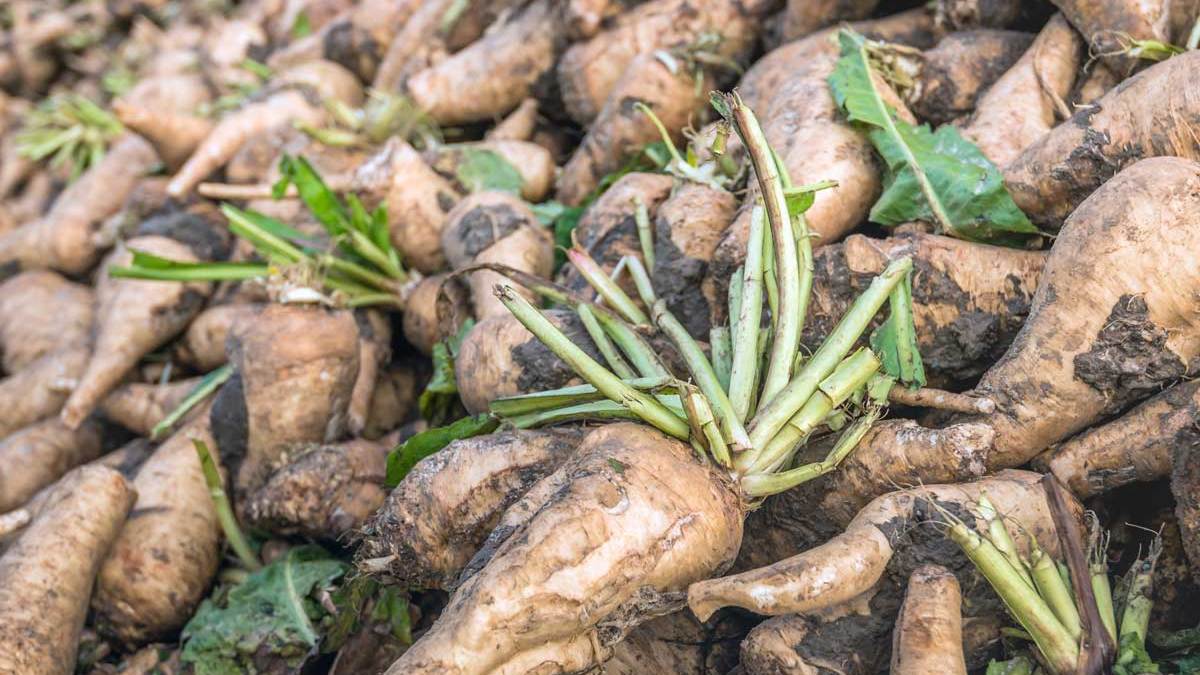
x=134, y=317
x=1147, y=115
x=38, y=455
x=323, y=491
x=852, y=563
x=294, y=391
x=928, y=637
x=41, y=313
x=608, y=548
x=202, y=346
x=1020, y=108
x=440, y=514
x=961, y=67
x=48, y=574
x=165, y=558
x=63, y=238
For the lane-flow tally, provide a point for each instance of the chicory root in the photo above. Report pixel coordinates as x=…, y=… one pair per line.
x=667, y=519
x=140, y=406
x=286, y=391
x=1050, y=178
x=64, y=238
x=436, y=519
x=962, y=66
x=687, y=229
x=589, y=71
x=323, y=491
x=675, y=95
x=417, y=200
x=928, y=635
x=134, y=317
x=39, y=390
x=38, y=455
x=495, y=227
x=607, y=231
x=287, y=106
x=48, y=574
x=421, y=321
x=852, y=563
x=41, y=313
x=963, y=291
x=162, y=563
x=202, y=345
x=1027, y=101
x=500, y=357
x=494, y=74
x=807, y=16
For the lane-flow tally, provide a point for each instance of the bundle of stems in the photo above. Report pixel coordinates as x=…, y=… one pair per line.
x=1055, y=605
x=751, y=406
x=358, y=267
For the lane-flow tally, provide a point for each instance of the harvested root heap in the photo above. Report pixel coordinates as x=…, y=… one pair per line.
x=599, y=336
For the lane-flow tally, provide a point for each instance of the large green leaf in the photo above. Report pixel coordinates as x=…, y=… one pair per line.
x=935, y=176
x=269, y=614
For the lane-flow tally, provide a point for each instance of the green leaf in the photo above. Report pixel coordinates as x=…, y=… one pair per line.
x=301, y=27
x=150, y=267
x=1132, y=658
x=405, y=456
x=439, y=400
x=1020, y=665
x=800, y=198
x=895, y=341
x=269, y=614
x=564, y=228
x=939, y=176
x=316, y=195
x=481, y=169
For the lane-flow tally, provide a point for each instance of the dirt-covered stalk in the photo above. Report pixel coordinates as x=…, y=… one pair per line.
x=786, y=338
x=1055, y=591
x=767, y=484
x=703, y=374
x=606, y=287
x=748, y=322
x=233, y=532
x=607, y=349
x=1027, y=607
x=850, y=375
x=643, y=405
x=772, y=417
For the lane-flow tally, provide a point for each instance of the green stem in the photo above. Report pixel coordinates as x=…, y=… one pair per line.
x=641, y=280
x=643, y=405
x=1055, y=592
x=641, y=215
x=786, y=334
x=776, y=412
x=207, y=386
x=765, y=485
x=1035, y=616
x=743, y=374
x=998, y=534
x=607, y=349
x=1135, y=620
x=703, y=374
x=196, y=272
x=704, y=423
x=1104, y=600
x=721, y=345
x=850, y=375
x=594, y=410
x=606, y=287
x=510, y=406
x=229, y=525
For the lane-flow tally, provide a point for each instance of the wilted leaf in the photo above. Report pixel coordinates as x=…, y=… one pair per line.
x=269, y=615
x=939, y=176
